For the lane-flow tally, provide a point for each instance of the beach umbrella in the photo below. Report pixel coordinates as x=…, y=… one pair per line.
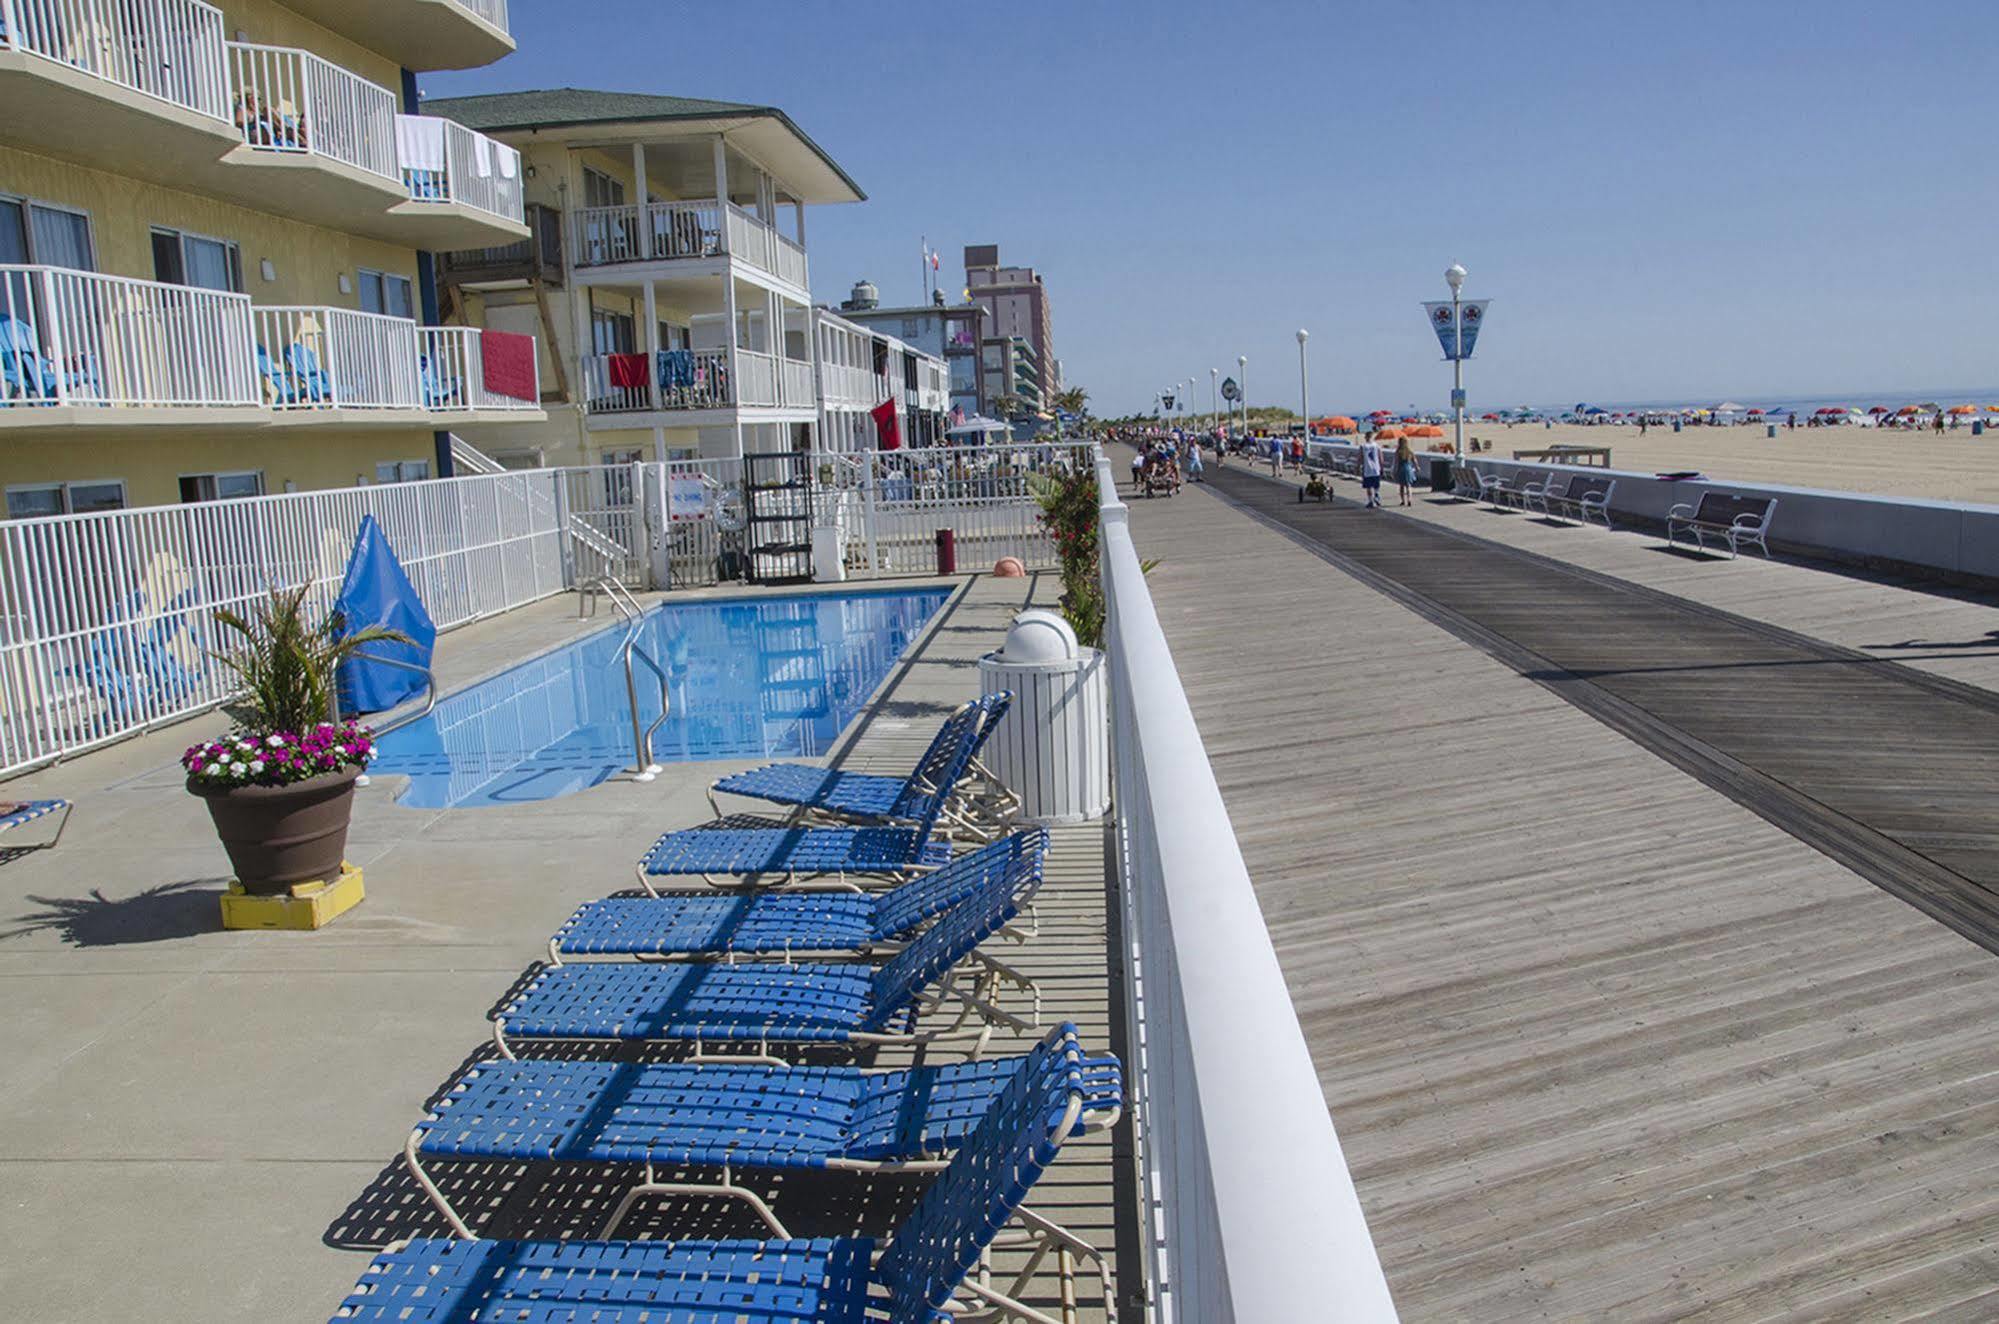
x=1756, y=413
x=1910, y=409
x=1388, y=434
x=1335, y=423
x=1488, y=418
x=1425, y=431
x=1964, y=409
x=1878, y=409
x=1728, y=407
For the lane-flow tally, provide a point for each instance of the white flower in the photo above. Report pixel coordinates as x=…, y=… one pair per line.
x=256, y=766
x=276, y=742
x=215, y=770
x=243, y=744
x=237, y=768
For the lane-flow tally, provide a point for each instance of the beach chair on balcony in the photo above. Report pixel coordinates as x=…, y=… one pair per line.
x=439, y=392
x=981, y=811
x=279, y=387
x=752, y=1006
x=24, y=373
x=923, y=1274
x=313, y=385
x=794, y=924
x=748, y=1117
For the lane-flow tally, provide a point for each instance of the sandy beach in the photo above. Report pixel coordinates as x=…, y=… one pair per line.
x=1953, y=467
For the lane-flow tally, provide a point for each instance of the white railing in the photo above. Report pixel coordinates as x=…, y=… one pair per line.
x=687, y=379
x=169, y=49
x=750, y=240
x=337, y=358
x=659, y=232
x=797, y=383
x=451, y=374
x=107, y=620
x=492, y=11
x=290, y=101
x=790, y=260
x=848, y=385
x=757, y=378
x=79, y=338
x=1249, y=1209
x=443, y=161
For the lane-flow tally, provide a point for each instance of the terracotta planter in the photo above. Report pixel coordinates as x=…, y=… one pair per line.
x=277, y=836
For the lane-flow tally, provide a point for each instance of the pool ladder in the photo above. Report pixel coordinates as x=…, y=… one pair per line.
x=643, y=768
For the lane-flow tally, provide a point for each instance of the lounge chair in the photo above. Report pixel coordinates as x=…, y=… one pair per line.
x=24, y=373
x=733, y=1117
x=313, y=383
x=829, y=793
x=765, y=1003
x=438, y=392
x=974, y=1206
x=794, y=923
x=15, y=813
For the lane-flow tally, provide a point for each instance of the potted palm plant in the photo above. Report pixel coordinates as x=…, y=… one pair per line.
x=280, y=789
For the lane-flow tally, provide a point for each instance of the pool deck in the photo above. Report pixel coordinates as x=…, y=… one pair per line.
x=1602, y=1039
x=205, y=1125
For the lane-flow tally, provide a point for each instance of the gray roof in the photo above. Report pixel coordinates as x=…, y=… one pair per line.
x=557, y=107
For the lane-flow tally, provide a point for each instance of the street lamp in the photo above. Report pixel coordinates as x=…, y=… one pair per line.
x=1242, y=387
x=1304, y=389
x=1454, y=275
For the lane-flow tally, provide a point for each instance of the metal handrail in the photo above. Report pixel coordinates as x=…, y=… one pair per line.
x=429, y=690
x=643, y=768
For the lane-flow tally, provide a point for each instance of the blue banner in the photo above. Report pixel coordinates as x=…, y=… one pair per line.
x=1445, y=323
x=1471, y=317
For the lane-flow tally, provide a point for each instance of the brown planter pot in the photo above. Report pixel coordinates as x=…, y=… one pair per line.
x=277, y=836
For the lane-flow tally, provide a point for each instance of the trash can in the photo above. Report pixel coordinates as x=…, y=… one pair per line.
x=829, y=554
x=1052, y=748
x=1977, y=427
x=1676, y=425
x=1443, y=475
x=1770, y=429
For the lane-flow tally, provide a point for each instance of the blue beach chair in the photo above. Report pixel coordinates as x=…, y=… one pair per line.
x=14, y=814
x=735, y=1117
x=795, y=923
x=24, y=373
x=758, y=1004
x=973, y=1207
x=829, y=793
x=438, y=392
x=312, y=382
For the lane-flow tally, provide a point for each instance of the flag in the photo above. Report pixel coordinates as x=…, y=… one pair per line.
x=934, y=266
x=886, y=430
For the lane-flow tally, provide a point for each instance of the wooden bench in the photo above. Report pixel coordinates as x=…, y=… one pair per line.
x=1735, y=519
x=1578, y=497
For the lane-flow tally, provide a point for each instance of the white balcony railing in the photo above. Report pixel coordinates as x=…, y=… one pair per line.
x=291, y=101
x=1250, y=1212
x=492, y=11
x=850, y=386
x=79, y=338
x=442, y=161
x=169, y=49
x=337, y=358
x=658, y=232
x=796, y=380
x=687, y=379
x=451, y=372
x=750, y=240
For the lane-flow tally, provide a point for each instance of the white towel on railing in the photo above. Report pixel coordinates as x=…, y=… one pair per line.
x=420, y=142
x=510, y=160
x=482, y=156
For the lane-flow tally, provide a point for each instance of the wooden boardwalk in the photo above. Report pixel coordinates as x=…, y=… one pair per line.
x=1601, y=1041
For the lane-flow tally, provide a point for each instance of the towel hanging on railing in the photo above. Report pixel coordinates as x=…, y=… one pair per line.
x=627, y=372
x=420, y=142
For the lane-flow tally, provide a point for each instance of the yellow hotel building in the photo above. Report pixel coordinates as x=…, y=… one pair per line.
x=217, y=224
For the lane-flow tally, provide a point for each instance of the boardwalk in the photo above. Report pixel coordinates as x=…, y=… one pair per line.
x=1600, y=1040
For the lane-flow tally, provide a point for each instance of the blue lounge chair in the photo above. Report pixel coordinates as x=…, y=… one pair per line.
x=282, y=387
x=764, y=1003
x=313, y=384
x=15, y=813
x=829, y=793
x=734, y=1117
x=974, y=1206
x=24, y=373
x=438, y=392
x=793, y=923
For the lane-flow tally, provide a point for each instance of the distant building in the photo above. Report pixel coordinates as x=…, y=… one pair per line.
x=952, y=332
x=1008, y=368
x=1016, y=304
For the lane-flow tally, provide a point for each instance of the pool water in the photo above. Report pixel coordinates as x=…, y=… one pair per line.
x=748, y=678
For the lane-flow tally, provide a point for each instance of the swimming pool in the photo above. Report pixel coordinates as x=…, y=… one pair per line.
x=748, y=678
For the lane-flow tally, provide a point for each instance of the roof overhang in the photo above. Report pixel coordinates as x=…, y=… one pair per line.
x=764, y=135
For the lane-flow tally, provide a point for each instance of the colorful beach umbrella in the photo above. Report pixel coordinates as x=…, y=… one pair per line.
x=1964, y=409
x=1878, y=409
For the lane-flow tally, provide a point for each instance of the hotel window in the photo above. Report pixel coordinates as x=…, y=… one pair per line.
x=401, y=471
x=221, y=486
x=600, y=190
x=30, y=500
x=612, y=333
x=382, y=292
x=44, y=233
x=196, y=260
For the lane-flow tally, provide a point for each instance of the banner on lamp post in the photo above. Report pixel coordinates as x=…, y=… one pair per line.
x=1457, y=329
x=1471, y=318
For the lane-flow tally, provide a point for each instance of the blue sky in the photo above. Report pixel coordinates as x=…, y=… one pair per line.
x=1664, y=201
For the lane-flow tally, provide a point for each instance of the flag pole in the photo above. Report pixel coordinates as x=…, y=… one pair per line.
x=924, y=283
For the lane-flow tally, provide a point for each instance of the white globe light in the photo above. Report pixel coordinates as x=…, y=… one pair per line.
x=1455, y=275
x=1303, y=335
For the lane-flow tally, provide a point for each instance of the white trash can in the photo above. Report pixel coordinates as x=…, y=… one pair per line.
x=1053, y=746
x=829, y=554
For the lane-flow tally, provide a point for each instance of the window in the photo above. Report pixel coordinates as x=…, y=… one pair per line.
x=401, y=471
x=612, y=333
x=911, y=328
x=221, y=487
x=600, y=190
x=33, y=499
x=192, y=259
x=45, y=233
x=382, y=292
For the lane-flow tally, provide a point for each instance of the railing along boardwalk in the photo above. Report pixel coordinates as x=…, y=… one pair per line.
x=1249, y=1211
x=1600, y=1040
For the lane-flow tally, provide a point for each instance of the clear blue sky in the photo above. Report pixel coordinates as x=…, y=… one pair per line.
x=1679, y=200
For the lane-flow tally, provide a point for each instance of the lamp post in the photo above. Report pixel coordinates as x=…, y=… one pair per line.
x=1455, y=276
x=1304, y=387
x=1214, y=401
x=1242, y=385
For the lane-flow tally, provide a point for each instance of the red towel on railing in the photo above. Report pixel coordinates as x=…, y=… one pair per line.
x=886, y=426
x=508, y=362
x=628, y=371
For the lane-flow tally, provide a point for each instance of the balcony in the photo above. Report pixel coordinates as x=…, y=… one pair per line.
x=319, y=361
x=464, y=188
x=78, y=347
x=505, y=266
x=682, y=231
x=419, y=35
x=690, y=380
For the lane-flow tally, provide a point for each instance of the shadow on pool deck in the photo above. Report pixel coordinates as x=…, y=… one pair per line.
x=159, y=914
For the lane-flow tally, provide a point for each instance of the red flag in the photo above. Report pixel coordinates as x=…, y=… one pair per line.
x=886, y=427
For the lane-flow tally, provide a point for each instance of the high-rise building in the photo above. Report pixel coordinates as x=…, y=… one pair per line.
x=1016, y=304
x=952, y=332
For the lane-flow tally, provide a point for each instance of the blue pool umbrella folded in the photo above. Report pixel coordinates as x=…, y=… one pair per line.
x=377, y=592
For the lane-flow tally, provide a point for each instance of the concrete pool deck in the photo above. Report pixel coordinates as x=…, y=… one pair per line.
x=200, y=1124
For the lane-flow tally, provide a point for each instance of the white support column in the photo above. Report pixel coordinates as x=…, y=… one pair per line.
x=798, y=213
x=729, y=344
x=722, y=188
x=658, y=444
x=641, y=195
x=579, y=296
x=651, y=342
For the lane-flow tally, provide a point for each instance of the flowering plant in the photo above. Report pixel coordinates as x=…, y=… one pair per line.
x=278, y=758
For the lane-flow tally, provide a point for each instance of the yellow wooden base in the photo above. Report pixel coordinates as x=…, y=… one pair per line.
x=309, y=906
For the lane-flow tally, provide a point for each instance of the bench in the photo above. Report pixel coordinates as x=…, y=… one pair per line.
x=1492, y=488
x=1728, y=516
x=1578, y=497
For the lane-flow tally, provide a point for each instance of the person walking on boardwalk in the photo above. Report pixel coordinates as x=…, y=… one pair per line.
x=1370, y=472
x=1405, y=469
